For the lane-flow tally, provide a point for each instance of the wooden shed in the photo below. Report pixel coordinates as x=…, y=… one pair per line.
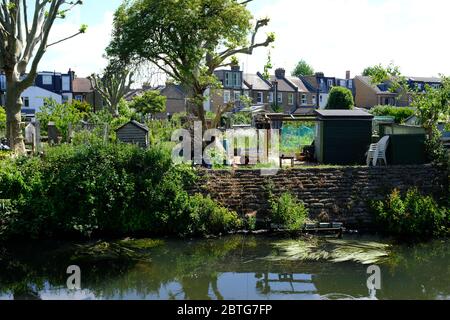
x=343, y=136
x=133, y=132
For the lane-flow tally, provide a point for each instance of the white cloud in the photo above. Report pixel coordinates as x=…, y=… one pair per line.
x=339, y=35
x=83, y=54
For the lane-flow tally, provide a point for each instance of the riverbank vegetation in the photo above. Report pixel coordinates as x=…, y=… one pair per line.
x=96, y=189
x=412, y=215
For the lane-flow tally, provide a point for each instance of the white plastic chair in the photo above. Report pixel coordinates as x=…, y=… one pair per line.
x=377, y=151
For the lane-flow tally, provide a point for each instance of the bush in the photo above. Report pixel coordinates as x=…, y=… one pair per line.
x=104, y=189
x=288, y=211
x=400, y=114
x=412, y=215
x=340, y=99
x=206, y=217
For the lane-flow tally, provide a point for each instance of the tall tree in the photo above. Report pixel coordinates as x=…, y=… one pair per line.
x=303, y=69
x=187, y=39
x=113, y=84
x=24, y=31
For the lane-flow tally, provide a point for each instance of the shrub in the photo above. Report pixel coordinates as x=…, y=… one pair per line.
x=412, y=215
x=288, y=211
x=340, y=99
x=400, y=114
x=207, y=217
x=104, y=189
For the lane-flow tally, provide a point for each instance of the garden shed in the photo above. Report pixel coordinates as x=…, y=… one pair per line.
x=343, y=136
x=133, y=132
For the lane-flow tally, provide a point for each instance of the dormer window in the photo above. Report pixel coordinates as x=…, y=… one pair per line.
x=47, y=80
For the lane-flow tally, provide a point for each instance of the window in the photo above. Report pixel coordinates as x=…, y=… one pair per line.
x=280, y=98
x=304, y=101
x=227, y=79
x=271, y=97
x=314, y=100
x=291, y=99
x=330, y=83
x=236, y=79
x=66, y=83
x=47, y=80
x=226, y=96
x=237, y=96
x=350, y=84
x=79, y=98
x=343, y=83
x=321, y=98
x=247, y=93
x=26, y=102
x=260, y=97
x=65, y=98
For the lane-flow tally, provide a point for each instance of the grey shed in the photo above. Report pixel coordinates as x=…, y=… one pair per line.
x=133, y=132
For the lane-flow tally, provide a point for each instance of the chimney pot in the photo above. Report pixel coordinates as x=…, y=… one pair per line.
x=348, y=75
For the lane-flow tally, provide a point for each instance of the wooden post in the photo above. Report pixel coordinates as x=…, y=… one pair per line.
x=37, y=136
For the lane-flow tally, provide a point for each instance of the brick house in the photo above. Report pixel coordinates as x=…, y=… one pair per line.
x=369, y=95
x=288, y=93
x=320, y=86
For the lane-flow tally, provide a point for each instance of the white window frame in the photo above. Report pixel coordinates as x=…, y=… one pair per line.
x=237, y=96
x=247, y=93
x=226, y=96
x=314, y=99
x=47, y=80
x=280, y=97
x=260, y=97
x=350, y=84
x=304, y=99
x=291, y=99
x=271, y=97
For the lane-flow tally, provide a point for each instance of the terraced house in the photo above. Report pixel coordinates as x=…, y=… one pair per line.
x=369, y=94
x=277, y=93
x=320, y=86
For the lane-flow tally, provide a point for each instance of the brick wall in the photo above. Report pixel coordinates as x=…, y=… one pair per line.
x=338, y=193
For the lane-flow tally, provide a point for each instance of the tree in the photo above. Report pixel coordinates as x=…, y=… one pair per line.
x=187, y=39
x=151, y=102
x=113, y=84
x=303, y=69
x=340, y=99
x=432, y=106
x=24, y=32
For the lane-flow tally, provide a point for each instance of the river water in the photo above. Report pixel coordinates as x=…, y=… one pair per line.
x=234, y=267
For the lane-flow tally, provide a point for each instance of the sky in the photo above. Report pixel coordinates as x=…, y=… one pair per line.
x=332, y=35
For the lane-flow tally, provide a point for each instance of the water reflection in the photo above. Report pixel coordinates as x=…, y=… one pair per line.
x=236, y=267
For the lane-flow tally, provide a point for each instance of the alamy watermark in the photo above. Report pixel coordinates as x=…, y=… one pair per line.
x=374, y=280
x=218, y=147
x=74, y=280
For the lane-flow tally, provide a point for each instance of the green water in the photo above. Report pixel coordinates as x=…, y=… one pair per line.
x=235, y=267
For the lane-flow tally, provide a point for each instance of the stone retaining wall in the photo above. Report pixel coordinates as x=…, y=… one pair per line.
x=337, y=193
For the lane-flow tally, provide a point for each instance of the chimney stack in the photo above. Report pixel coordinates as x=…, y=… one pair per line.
x=280, y=73
x=348, y=75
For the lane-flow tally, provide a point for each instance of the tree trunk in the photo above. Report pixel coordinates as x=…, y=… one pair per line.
x=14, y=117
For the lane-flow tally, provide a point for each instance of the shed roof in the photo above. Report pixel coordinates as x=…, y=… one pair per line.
x=344, y=114
x=135, y=123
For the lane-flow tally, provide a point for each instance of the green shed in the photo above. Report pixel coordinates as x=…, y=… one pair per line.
x=343, y=136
